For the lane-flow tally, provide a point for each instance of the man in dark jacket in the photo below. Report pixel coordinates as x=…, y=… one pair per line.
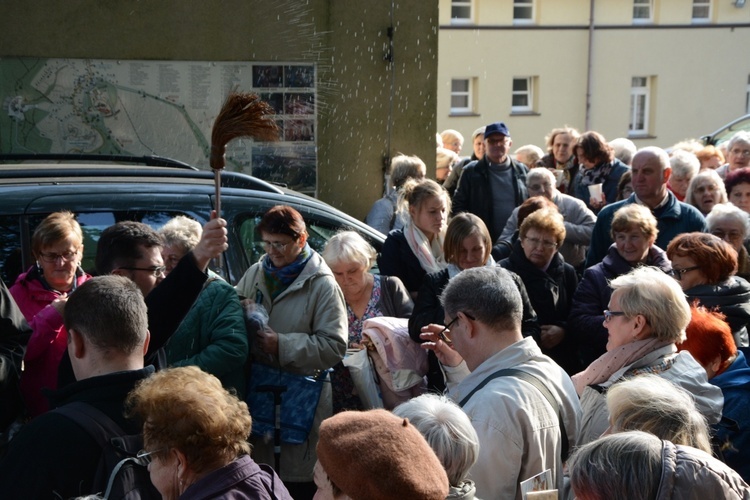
x=492, y=187
x=53, y=456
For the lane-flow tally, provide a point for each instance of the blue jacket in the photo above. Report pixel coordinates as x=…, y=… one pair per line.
x=592, y=298
x=733, y=431
x=674, y=218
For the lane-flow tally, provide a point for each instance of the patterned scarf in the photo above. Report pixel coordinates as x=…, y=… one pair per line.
x=278, y=279
x=601, y=369
x=430, y=255
x=596, y=175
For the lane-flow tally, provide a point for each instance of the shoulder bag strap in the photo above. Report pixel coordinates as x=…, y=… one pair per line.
x=541, y=387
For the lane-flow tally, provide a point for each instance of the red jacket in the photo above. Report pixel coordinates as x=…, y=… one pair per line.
x=48, y=340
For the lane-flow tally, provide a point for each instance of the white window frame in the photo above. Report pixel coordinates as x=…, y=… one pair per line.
x=701, y=4
x=463, y=3
x=525, y=4
x=641, y=4
x=529, y=93
x=468, y=94
x=640, y=100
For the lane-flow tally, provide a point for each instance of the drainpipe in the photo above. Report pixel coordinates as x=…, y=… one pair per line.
x=589, y=64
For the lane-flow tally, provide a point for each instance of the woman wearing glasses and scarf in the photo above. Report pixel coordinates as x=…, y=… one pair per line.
x=706, y=267
x=646, y=317
x=549, y=280
x=41, y=292
x=306, y=331
x=634, y=233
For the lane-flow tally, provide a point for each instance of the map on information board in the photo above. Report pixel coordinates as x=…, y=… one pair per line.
x=163, y=108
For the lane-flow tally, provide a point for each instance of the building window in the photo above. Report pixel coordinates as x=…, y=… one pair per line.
x=461, y=11
x=701, y=10
x=642, y=11
x=461, y=96
x=523, y=95
x=639, y=105
x=523, y=11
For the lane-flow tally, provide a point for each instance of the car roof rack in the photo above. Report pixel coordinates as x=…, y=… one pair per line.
x=120, y=168
x=148, y=160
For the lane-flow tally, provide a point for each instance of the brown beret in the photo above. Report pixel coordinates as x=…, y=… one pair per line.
x=376, y=455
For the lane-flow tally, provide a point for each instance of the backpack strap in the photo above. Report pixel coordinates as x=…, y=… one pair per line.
x=541, y=387
x=94, y=421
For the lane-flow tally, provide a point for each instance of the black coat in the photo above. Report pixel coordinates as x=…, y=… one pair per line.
x=551, y=294
x=54, y=455
x=397, y=259
x=474, y=193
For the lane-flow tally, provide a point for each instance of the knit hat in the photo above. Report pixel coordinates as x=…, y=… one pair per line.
x=374, y=454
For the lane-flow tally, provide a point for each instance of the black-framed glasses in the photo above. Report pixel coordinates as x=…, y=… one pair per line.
x=52, y=257
x=445, y=337
x=156, y=271
x=279, y=247
x=679, y=273
x=608, y=315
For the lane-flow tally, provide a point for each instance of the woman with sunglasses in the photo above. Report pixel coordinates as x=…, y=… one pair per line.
x=549, y=281
x=306, y=330
x=705, y=267
x=646, y=317
x=41, y=292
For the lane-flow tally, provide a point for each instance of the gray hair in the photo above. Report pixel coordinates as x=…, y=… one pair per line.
x=531, y=152
x=658, y=297
x=684, y=164
x=479, y=131
x=447, y=430
x=181, y=231
x=703, y=177
x=448, y=134
x=404, y=168
x=653, y=404
x=536, y=174
x=349, y=246
x=741, y=136
x=728, y=212
x=624, y=465
x=624, y=149
x=488, y=294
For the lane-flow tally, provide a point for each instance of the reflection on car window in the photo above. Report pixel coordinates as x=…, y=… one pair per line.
x=10, y=248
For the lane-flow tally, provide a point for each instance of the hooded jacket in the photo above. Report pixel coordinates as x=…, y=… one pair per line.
x=310, y=319
x=690, y=473
x=733, y=300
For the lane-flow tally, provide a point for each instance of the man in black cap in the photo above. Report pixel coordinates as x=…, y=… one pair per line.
x=492, y=187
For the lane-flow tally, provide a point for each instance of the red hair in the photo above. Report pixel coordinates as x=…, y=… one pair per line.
x=709, y=336
x=716, y=258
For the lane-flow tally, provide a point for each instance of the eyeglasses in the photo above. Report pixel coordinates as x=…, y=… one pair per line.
x=145, y=457
x=445, y=337
x=679, y=273
x=724, y=235
x=608, y=315
x=155, y=270
x=535, y=242
x=540, y=187
x=740, y=152
x=54, y=257
x=496, y=141
x=279, y=247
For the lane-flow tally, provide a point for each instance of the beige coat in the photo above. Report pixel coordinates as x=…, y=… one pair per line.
x=310, y=318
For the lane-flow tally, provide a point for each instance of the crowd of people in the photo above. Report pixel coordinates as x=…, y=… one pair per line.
x=582, y=313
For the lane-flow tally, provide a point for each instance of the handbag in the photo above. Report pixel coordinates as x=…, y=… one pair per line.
x=365, y=378
x=274, y=393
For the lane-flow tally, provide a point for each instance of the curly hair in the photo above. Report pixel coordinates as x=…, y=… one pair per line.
x=181, y=231
x=593, y=146
x=733, y=179
x=717, y=258
x=546, y=220
x=188, y=409
x=634, y=216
